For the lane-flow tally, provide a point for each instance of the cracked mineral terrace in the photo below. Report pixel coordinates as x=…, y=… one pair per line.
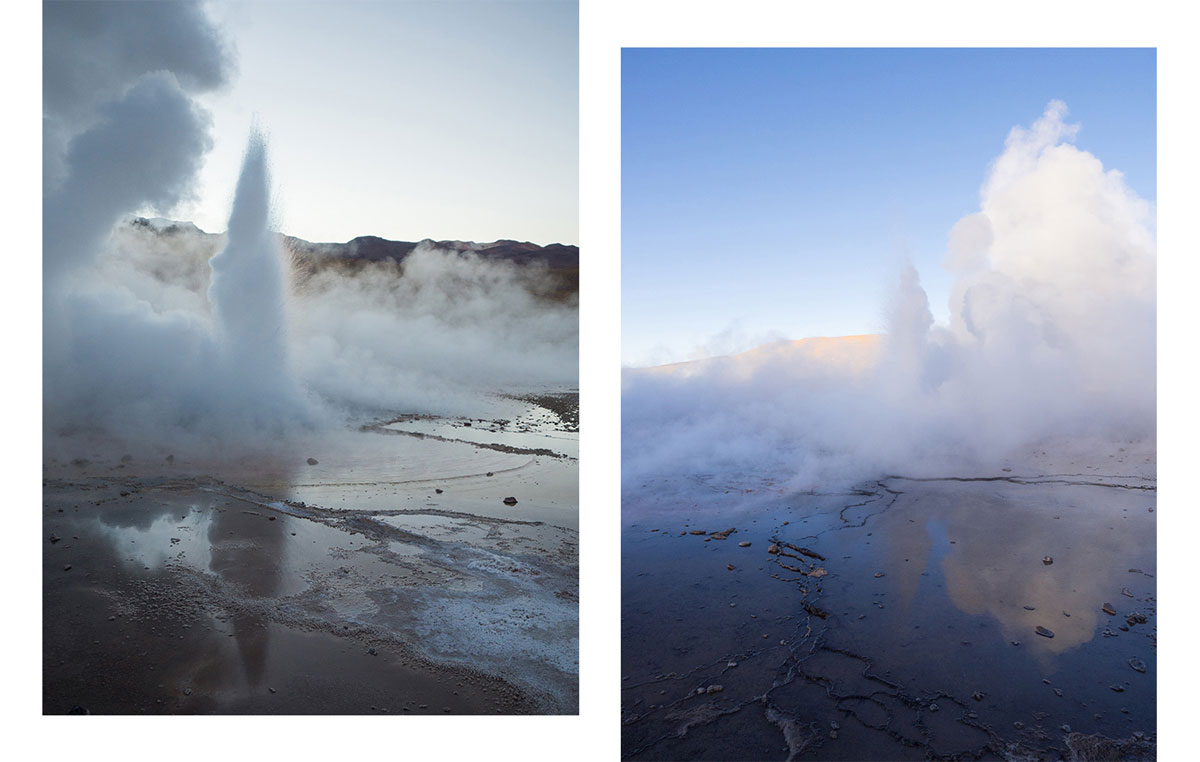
x=896, y=620
x=354, y=574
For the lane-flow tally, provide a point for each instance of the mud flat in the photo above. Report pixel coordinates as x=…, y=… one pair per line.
x=1005, y=615
x=388, y=576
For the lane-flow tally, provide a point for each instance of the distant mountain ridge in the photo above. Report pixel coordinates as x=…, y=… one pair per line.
x=561, y=262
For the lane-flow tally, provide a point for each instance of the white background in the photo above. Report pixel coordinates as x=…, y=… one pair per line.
x=605, y=28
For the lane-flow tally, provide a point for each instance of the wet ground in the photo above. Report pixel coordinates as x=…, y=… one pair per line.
x=895, y=620
x=388, y=576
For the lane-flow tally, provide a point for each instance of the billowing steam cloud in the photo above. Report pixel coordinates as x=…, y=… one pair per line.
x=206, y=340
x=1052, y=335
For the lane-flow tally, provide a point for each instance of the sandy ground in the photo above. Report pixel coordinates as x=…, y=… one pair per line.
x=389, y=576
x=897, y=620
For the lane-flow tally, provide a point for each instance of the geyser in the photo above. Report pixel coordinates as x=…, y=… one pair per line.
x=247, y=296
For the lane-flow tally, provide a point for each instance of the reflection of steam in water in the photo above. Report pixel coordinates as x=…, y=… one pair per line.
x=247, y=553
x=989, y=546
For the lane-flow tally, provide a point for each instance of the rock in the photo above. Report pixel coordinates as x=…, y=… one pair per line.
x=272, y=690
x=54, y=538
x=126, y=458
x=977, y=695
x=1137, y=664
x=1043, y=632
x=1117, y=688
x=818, y=572
x=934, y=707
x=744, y=544
x=1108, y=609
x=811, y=609
x=1135, y=618
x=1018, y=724
x=187, y=691
x=729, y=567
x=697, y=531
x=510, y=501
x=1058, y=692
x=312, y=461
x=714, y=689
x=489, y=473
x=878, y=574
x=1016, y=642
x=1125, y=592
x=773, y=549
x=1047, y=560
x=833, y=735
x=170, y=458
x=731, y=664
x=372, y=652
x=78, y=710
x=67, y=567
x=1066, y=728
x=833, y=725
x=1029, y=608
x=438, y=490
x=1135, y=571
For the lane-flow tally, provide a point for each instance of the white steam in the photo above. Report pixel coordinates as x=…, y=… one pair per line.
x=1052, y=334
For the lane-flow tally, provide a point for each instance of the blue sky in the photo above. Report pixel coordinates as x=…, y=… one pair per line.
x=407, y=120
x=774, y=193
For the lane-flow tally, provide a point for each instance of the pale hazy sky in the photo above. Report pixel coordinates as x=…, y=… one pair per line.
x=449, y=119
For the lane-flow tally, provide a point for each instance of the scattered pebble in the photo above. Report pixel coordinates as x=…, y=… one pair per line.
x=1047, y=560
x=312, y=461
x=744, y=544
x=1137, y=664
x=1043, y=632
x=1108, y=609
x=510, y=501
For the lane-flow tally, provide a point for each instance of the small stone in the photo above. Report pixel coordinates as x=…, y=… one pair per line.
x=1126, y=593
x=312, y=461
x=697, y=531
x=834, y=725
x=489, y=473
x=934, y=707
x=1047, y=560
x=1108, y=609
x=1066, y=728
x=1058, y=692
x=833, y=735
x=438, y=490
x=731, y=664
x=1018, y=725
x=714, y=689
x=977, y=695
x=187, y=691
x=744, y=544
x=372, y=652
x=54, y=538
x=1043, y=632
x=773, y=549
x=510, y=501
x=1137, y=664
x=272, y=690
x=67, y=567
x=729, y=567
x=878, y=574
x=1029, y=608
x=1135, y=618
x=1118, y=689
